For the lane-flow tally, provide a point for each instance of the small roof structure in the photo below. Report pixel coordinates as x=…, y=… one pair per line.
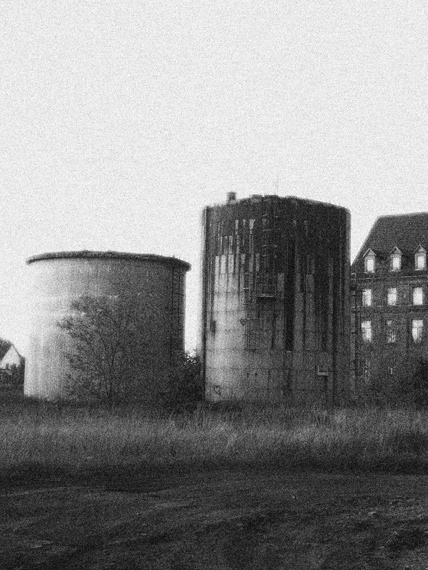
x=11, y=358
x=4, y=347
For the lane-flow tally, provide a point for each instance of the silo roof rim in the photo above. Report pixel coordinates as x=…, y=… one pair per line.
x=86, y=254
x=280, y=198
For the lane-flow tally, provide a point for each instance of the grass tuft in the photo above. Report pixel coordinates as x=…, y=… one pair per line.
x=39, y=438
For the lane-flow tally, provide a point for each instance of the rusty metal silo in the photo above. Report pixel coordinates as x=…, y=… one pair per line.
x=275, y=301
x=61, y=278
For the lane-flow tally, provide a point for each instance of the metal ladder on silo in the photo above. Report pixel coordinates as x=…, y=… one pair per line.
x=267, y=279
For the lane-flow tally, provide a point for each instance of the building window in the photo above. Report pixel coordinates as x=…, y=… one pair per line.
x=366, y=331
x=392, y=296
x=417, y=330
x=395, y=261
x=417, y=296
x=369, y=263
x=391, y=335
x=420, y=260
x=366, y=297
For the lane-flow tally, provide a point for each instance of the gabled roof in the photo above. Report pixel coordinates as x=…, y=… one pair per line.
x=4, y=347
x=10, y=354
x=369, y=252
x=405, y=231
x=420, y=249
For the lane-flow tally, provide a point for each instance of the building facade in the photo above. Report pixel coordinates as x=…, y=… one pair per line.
x=275, y=301
x=389, y=299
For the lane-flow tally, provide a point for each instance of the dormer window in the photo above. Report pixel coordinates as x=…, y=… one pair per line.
x=395, y=260
x=369, y=261
x=420, y=259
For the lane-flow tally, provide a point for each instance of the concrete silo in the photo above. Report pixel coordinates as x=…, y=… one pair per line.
x=61, y=278
x=275, y=301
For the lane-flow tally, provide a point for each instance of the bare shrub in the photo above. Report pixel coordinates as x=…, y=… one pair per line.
x=184, y=387
x=107, y=346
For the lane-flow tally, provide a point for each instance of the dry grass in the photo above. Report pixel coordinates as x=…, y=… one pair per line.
x=71, y=438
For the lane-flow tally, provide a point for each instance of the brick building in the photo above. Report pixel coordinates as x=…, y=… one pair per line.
x=389, y=289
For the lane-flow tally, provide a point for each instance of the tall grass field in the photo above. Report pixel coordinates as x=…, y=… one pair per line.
x=36, y=435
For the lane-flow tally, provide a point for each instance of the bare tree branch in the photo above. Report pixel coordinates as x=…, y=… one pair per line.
x=106, y=335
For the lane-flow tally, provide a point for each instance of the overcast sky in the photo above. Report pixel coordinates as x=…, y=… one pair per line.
x=121, y=119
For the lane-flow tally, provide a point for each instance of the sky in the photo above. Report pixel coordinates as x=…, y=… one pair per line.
x=122, y=119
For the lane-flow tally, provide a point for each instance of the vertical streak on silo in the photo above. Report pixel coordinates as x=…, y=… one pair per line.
x=289, y=294
x=176, y=339
x=205, y=258
x=172, y=315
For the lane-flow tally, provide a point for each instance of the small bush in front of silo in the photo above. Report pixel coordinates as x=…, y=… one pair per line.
x=184, y=386
x=414, y=390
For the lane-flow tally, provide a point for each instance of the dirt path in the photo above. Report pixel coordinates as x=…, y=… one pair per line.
x=220, y=520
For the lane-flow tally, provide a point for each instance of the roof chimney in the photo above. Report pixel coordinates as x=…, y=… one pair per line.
x=231, y=197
